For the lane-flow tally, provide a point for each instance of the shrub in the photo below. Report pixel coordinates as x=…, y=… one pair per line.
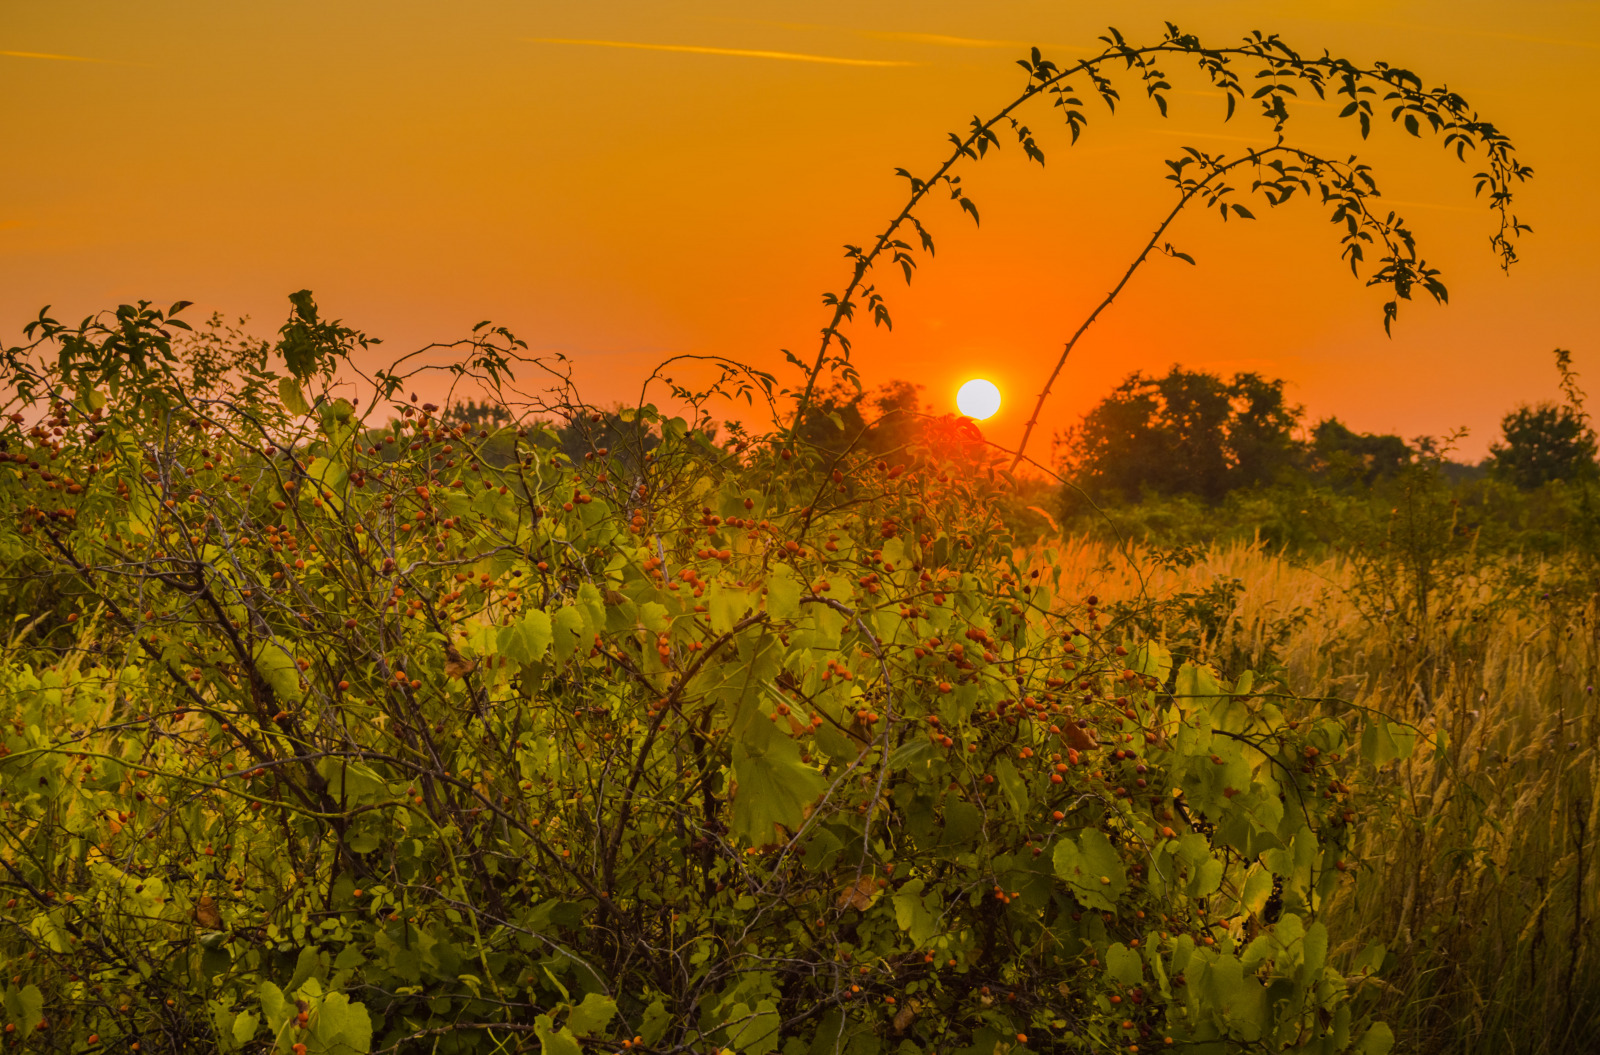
x=349, y=740
x=1542, y=444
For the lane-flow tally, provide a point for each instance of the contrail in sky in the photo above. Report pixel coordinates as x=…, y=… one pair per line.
x=944, y=41
x=46, y=55
x=788, y=56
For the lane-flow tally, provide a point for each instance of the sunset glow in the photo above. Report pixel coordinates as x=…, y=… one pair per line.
x=604, y=212
x=978, y=399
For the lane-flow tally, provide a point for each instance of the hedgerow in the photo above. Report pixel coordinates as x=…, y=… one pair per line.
x=347, y=737
x=334, y=724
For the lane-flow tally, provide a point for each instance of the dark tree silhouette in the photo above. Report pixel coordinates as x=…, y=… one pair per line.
x=1344, y=456
x=1543, y=443
x=1188, y=432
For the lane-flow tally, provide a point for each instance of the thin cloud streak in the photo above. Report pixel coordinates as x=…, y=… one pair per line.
x=54, y=58
x=942, y=40
x=749, y=53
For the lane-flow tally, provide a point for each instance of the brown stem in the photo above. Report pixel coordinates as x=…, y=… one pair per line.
x=1189, y=195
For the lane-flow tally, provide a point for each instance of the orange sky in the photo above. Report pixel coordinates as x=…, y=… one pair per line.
x=422, y=166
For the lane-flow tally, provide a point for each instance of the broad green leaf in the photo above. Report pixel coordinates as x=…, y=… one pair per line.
x=1011, y=786
x=30, y=1007
x=278, y=670
x=655, y=1022
x=1257, y=889
x=331, y=475
x=1384, y=741
x=783, y=593
x=726, y=605
x=653, y=617
x=527, y=639
x=1377, y=1040
x=294, y=401
x=774, y=786
x=554, y=1041
x=341, y=1027
x=911, y=913
x=1237, y=998
x=593, y=606
x=245, y=1024
x=838, y=745
x=1151, y=660
x=566, y=628
x=754, y=1031
x=1124, y=965
x=1197, y=682
x=273, y=1006
x=1092, y=869
x=591, y=1015
x=961, y=823
x=1315, y=953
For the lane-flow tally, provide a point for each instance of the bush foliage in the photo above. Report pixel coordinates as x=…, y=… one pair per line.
x=338, y=722
x=356, y=737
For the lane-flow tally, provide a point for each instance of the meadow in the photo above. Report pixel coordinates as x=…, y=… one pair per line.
x=1477, y=853
x=337, y=719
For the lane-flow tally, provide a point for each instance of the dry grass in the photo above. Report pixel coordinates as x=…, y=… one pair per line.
x=1476, y=854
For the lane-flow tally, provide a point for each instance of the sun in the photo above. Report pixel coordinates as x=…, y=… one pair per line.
x=978, y=399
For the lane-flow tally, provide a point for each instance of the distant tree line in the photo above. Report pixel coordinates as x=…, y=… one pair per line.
x=1190, y=432
x=1187, y=432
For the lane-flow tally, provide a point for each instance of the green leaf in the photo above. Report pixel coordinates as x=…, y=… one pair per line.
x=1124, y=965
x=591, y=1015
x=1238, y=998
x=273, y=1006
x=554, y=1041
x=278, y=670
x=527, y=639
x=294, y=401
x=655, y=1022
x=331, y=475
x=911, y=913
x=352, y=783
x=1091, y=867
x=753, y=1032
x=568, y=624
x=30, y=1007
x=783, y=593
x=774, y=786
x=1383, y=741
x=838, y=745
x=1315, y=952
x=1197, y=682
x=653, y=617
x=341, y=1027
x=1151, y=660
x=1377, y=1040
x=726, y=605
x=245, y=1024
x=1257, y=889
x=1011, y=786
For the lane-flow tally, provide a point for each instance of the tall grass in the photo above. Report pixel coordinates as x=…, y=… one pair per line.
x=1476, y=869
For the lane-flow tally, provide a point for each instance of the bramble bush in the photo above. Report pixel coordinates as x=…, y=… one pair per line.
x=348, y=737
x=338, y=722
